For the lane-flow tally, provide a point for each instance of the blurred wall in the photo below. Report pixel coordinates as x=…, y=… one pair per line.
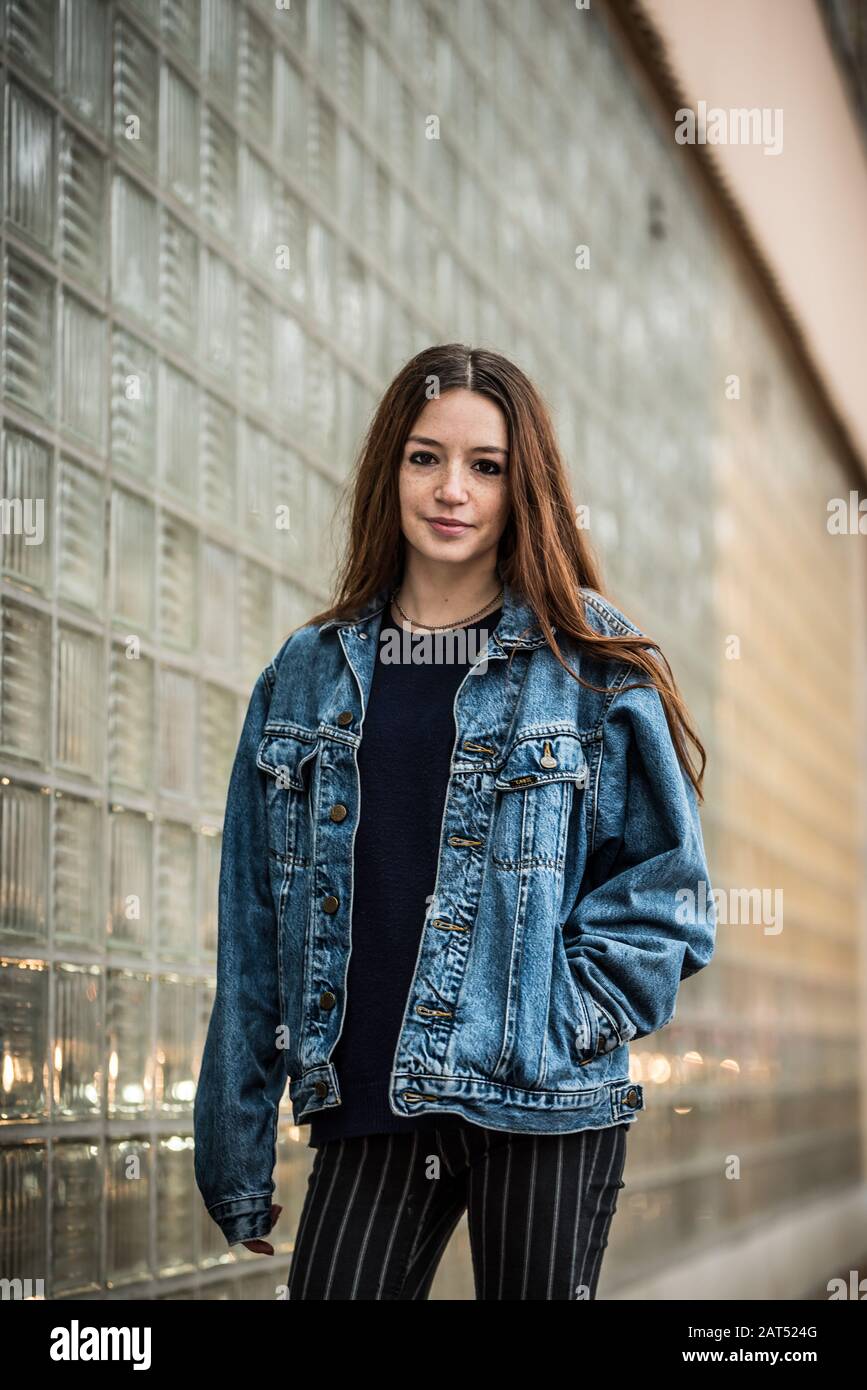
x=224, y=227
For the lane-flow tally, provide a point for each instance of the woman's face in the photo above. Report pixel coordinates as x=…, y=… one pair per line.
x=455, y=468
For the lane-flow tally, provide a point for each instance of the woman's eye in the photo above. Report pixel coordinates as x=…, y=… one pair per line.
x=491, y=463
x=489, y=467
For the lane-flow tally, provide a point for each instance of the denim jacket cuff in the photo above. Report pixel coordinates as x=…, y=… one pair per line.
x=244, y=1218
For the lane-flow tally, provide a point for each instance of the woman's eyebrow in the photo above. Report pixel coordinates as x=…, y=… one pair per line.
x=477, y=449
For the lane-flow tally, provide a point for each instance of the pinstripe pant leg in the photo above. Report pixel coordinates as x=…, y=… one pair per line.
x=539, y=1211
x=376, y=1219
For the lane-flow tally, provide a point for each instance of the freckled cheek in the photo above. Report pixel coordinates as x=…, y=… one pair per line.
x=496, y=516
x=412, y=490
x=407, y=502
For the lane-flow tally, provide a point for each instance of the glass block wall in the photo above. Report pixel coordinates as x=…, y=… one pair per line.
x=224, y=226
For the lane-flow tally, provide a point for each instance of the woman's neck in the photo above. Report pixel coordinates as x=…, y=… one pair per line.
x=426, y=606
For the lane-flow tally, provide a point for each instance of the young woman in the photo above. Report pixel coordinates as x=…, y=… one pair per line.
x=462, y=868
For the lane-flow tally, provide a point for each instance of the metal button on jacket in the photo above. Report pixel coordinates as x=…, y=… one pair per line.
x=631, y=1097
x=338, y=812
x=327, y=1000
x=344, y=718
x=321, y=1088
x=330, y=904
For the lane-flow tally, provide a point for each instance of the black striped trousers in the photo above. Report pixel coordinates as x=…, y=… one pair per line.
x=380, y=1209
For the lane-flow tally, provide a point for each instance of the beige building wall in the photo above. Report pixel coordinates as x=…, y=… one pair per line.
x=763, y=1071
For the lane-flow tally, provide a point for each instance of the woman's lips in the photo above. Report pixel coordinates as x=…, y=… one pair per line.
x=446, y=529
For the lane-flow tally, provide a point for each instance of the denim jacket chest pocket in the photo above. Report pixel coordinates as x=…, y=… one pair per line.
x=536, y=789
x=288, y=759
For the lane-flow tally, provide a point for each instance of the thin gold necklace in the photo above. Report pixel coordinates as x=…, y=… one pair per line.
x=443, y=627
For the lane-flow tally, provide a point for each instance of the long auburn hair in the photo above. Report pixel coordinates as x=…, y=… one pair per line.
x=543, y=553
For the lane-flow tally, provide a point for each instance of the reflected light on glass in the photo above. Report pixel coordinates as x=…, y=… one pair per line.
x=658, y=1068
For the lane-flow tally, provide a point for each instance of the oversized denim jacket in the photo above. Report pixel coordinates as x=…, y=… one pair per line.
x=571, y=898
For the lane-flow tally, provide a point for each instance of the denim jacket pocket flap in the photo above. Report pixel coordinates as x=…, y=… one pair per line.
x=540, y=758
x=285, y=756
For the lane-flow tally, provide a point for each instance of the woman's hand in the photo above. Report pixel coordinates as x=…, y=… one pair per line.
x=260, y=1246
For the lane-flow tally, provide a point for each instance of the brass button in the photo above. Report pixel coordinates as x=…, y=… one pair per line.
x=344, y=718
x=327, y=1000
x=631, y=1097
x=338, y=812
x=330, y=904
x=321, y=1088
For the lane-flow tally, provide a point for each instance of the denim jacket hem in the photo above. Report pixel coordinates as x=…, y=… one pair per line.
x=510, y=1108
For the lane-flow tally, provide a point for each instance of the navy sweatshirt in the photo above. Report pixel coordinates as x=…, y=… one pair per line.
x=403, y=760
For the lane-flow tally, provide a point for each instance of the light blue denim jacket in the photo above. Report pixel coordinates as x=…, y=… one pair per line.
x=572, y=897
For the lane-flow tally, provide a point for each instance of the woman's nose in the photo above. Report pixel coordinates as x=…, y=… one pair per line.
x=453, y=487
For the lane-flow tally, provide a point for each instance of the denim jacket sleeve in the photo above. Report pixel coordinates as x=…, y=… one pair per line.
x=243, y=1072
x=644, y=918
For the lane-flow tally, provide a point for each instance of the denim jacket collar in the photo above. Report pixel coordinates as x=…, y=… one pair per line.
x=518, y=625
